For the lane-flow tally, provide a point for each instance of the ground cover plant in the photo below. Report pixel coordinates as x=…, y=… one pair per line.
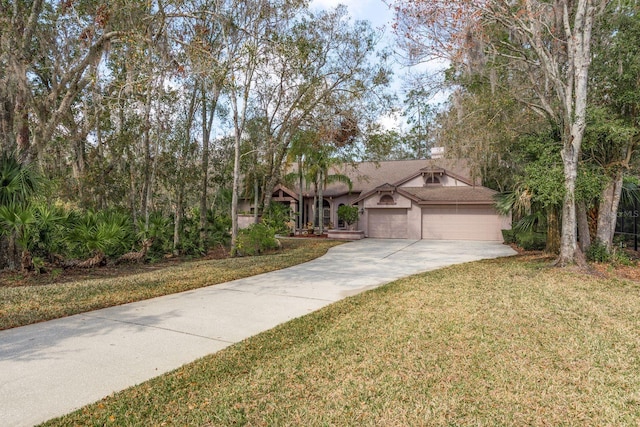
x=39, y=300
x=499, y=342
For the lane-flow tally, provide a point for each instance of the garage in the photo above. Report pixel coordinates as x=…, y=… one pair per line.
x=461, y=222
x=387, y=223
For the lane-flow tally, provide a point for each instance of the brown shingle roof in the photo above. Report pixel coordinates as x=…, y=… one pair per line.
x=433, y=194
x=369, y=175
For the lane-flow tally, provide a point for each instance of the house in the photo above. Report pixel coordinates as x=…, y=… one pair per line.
x=415, y=199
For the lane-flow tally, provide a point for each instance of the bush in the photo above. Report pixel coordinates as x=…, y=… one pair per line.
x=218, y=229
x=509, y=236
x=531, y=241
x=256, y=239
x=348, y=214
x=277, y=217
x=598, y=252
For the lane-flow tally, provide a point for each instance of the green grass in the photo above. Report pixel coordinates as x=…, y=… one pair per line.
x=24, y=305
x=501, y=342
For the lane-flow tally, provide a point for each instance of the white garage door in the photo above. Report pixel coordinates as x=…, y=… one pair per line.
x=461, y=223
x=388, y=223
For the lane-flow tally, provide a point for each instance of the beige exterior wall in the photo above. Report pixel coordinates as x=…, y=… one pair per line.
x=245, y=221
x=245, y=206
x=400, y=201
x=414, y=222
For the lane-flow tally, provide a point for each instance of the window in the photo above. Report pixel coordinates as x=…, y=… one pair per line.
x=431, y=180
x=386, y=200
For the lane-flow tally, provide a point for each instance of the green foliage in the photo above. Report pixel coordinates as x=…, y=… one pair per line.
x=598, y=252
x=18, y=182
x=509, y=236
x=531, y=240
x=218, y=229
x=17, y=220
x=348, y=214
x=50, y=236
x=277, y=218
x=543, y=171
x=109, y=232
x=256, y=239
x=190, y=233
x=160, y=230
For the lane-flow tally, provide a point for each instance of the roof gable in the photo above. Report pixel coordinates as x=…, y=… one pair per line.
x=367, y=176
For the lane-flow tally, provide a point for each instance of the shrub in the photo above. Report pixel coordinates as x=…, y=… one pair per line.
x=348, y=214
x=256, y=239
x=109, y=232
x=598, y=252
x=218, y=228
x=509, y=236
x=531, y=241
x=277, y=217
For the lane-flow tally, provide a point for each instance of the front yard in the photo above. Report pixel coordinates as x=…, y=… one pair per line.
x=27, y=300
x=500, y=342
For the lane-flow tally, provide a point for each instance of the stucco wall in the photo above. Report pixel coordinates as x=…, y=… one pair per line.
x=401, y=202
x=414, y=222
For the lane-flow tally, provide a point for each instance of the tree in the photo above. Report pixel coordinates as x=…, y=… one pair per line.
x=614, y=122
x=549, y=42
x=46, y=50
x=319, y=71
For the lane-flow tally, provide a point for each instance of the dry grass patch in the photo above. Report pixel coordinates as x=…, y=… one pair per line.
x=503, y=342
x=24, y=305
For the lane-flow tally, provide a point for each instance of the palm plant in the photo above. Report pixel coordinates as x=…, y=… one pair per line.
x=18, y=182
x=96, y=233
x=320, y=163
x=160, y=230
x=16, y=221
x=315, y=161
x=18, y=185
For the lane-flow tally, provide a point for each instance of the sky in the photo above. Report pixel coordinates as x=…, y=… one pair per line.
x=381, y=16
x=374, y=11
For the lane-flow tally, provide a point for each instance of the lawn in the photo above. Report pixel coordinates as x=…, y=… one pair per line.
x=499, y=342
x=37, y=299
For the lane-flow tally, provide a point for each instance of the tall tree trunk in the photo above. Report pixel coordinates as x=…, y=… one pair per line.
x=234, y=193
x=207, y=123
x=608, y=211
x=553, y=231
x=300, y=195
x=584, y=236
x=238, y=125
x=320, y=202
x=256, y=199
x=146, y=146
x=569, y=236
x=177, y=223
x=575, y=109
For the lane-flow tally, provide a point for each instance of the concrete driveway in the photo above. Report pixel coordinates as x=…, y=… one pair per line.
x=52, y=368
